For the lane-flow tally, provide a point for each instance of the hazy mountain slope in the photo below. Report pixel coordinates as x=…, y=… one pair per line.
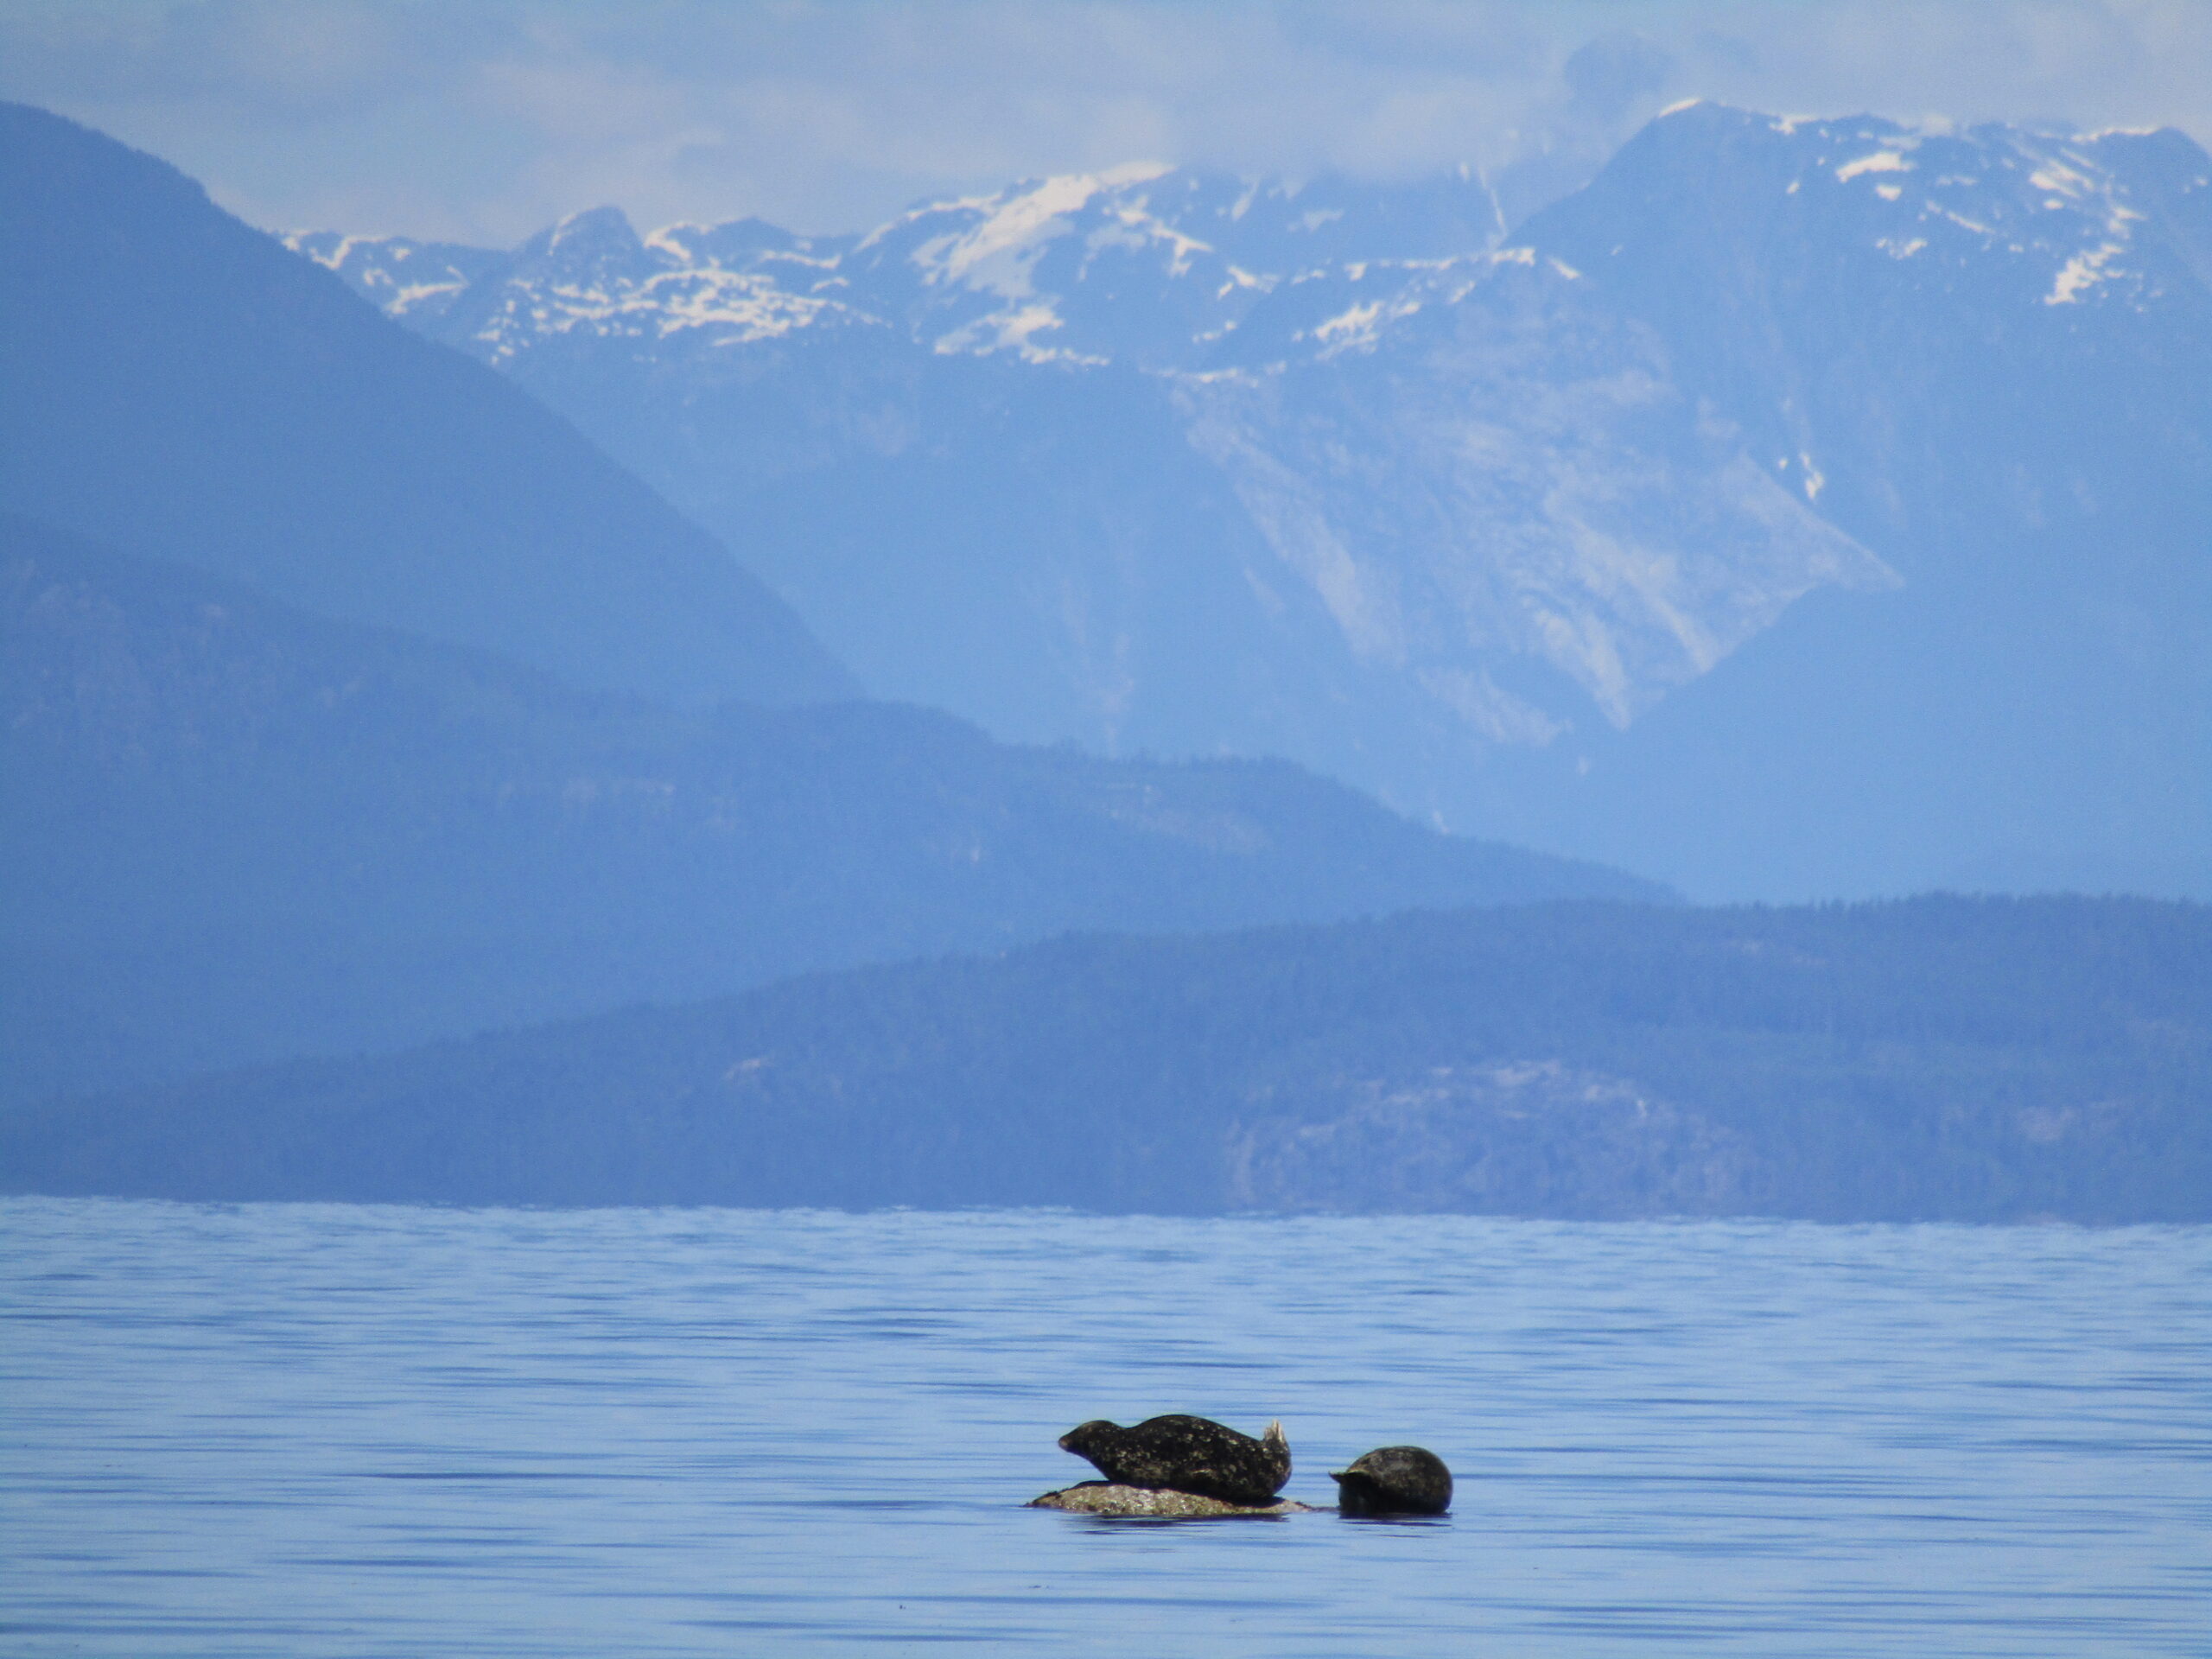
x=1170, y=460
x=1988, y=354
x=235, y=830
x=1989, y=1060
x=1804, y=508
x=174, y=383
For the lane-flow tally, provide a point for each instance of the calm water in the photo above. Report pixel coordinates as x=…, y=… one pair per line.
x=309, y=1430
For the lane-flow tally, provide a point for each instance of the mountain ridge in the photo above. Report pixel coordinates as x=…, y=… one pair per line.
x=179, y=385
x=237, y=830
x=1933, y=1059
x=1518, y=533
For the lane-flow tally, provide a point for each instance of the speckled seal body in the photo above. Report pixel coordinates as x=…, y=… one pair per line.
x=1394, y=1480
x=1187, y=1454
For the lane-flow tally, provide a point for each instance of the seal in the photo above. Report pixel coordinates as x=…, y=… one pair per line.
x=1394, y=1480
x=1187, y=1454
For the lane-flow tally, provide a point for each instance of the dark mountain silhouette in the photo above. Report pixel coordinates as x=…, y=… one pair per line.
x=1974, y=1059
x=234, y=830
x=175, y=384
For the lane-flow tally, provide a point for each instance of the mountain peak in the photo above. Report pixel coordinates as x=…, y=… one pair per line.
x=594, y=234
x=2047, y=220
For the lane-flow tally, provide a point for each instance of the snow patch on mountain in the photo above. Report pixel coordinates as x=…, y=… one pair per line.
x=1882, y=161
x=590, y=274
x=1011, y=229
x=2060, y=208
x=413, y=280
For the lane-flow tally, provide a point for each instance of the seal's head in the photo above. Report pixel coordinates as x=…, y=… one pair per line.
x=1394, y=1480
x=1085, y=1437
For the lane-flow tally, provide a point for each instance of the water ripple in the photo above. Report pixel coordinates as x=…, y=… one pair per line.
x=308, y=1430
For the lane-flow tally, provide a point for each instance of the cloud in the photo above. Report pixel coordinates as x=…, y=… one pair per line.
x=483, y=121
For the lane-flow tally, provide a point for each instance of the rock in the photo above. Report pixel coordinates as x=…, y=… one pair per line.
x=1107, y=1498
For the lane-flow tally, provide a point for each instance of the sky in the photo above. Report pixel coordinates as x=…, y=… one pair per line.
x=484, y=120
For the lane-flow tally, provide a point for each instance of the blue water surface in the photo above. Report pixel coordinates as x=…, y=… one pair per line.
x=306, y=1430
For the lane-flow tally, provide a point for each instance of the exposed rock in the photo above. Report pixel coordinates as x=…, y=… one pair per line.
x=1105, y=1498
x=1538, y=1137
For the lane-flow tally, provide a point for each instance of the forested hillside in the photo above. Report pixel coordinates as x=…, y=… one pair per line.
x=1986, y=1059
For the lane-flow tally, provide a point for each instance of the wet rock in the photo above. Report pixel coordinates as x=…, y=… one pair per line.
x=1109, y=1498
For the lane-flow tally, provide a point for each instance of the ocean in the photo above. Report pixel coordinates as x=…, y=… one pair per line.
x=308, y=1430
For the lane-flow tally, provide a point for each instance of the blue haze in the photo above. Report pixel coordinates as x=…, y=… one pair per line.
x=340, y=684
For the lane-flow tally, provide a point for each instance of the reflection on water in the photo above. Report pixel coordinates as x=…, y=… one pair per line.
x=322, y=1430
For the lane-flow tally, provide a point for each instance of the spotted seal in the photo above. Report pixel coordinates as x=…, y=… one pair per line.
x=1394, y=1480
x=1187, y=1454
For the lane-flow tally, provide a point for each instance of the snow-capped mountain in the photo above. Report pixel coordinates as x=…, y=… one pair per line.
x=593, y=276
x=1146, y=264
x=1163, y=459
x=2057, y=219
x=1757, y=243
x=1235, y=297
x=1160, y=267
